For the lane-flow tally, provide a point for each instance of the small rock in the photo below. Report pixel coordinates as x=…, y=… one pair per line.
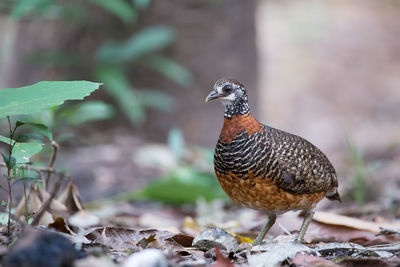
x=212, y=237
x=147, y=258
x=41, y=248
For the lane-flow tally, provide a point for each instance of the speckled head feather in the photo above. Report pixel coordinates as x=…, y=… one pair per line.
x=233, y=96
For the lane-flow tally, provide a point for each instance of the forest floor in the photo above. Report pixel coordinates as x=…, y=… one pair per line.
x=124, y=231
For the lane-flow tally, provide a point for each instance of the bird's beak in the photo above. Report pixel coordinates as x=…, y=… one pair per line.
x=213, y=95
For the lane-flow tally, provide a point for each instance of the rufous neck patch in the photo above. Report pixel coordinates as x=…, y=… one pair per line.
x=237, y=124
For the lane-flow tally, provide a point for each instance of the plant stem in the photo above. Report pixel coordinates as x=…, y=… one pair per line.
x=9, y=177
x=55, y=146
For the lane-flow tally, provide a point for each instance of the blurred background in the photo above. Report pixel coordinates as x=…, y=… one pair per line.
x=326, y=70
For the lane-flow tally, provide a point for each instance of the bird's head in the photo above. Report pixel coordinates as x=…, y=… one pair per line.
x=233, y=96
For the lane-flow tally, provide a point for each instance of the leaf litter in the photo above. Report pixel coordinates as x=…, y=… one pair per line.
x=210, y=234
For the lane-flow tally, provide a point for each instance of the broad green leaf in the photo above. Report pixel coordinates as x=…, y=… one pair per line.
x=182, y=186
x=119, y=8
x=42, y=95
x=146, y=41
x=86, y=112
x=156, y=99
x=119, y=88
x=22, y=152
x=170, y=69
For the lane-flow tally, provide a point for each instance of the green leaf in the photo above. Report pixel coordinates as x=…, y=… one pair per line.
x=41, y=128
x=182, y=186
x=141, y=4
x=29, y=137
x=141, y=43
x=86, y=112
x=119, y=88
x=170, y=69
x=3, y=203
x=119, y=8
x=24, y=7
x=22, y=152
x=42, y=95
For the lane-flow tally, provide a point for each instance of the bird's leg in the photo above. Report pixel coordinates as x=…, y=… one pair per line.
x=268, y=225
x=304, y=226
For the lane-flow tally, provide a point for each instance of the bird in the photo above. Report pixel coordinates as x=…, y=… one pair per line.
x=267, y=169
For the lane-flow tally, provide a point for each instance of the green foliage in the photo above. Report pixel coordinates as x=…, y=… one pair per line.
x=41, y=128
x=20, y=153
x=169, y=68
x=141, y=4
x=32, y=99
x=146, y=41
x=24, y=7
x=183, y=185
x=120, y=89
x=119, y=8
x=112, y=56
x=42, y=95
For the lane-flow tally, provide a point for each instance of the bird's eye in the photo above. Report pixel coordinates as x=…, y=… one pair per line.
x=227, y=88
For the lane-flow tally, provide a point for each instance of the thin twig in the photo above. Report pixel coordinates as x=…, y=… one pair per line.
x=12, y=131
x=47, y=204
x=55, y=146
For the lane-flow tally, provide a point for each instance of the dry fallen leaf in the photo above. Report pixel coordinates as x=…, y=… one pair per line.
x=70, y=198
x=221, y=260
x=36, y=198
x=123, y=238
x=311, y=261
x=60, y=225
x=355, y=223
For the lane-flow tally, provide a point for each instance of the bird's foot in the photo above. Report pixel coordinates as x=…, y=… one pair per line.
x=298, y=241
x=257, y=242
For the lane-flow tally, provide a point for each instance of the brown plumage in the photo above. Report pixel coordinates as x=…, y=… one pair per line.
x=265, y=168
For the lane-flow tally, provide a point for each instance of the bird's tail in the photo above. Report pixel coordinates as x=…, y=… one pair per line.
x=333, y=195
